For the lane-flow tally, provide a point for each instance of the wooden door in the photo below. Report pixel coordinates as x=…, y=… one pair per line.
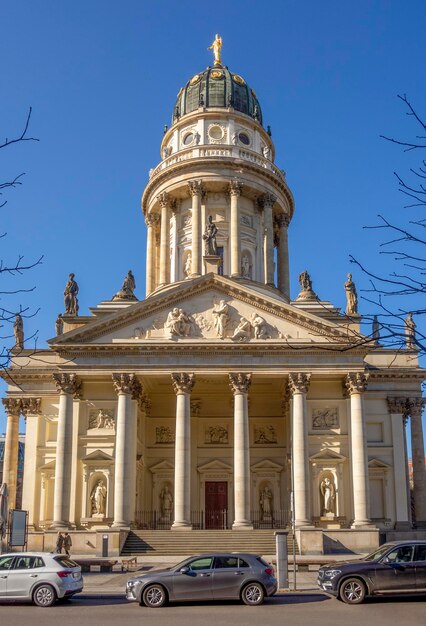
x=216, y=504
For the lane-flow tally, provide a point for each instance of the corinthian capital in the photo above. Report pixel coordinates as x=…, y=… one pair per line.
x=356, y=382
x=182, y=383
x=235, y=187
x=68, y=383
x=266, y=201
x=298, y=382
x=151, y=219
x=195, y=187
x=163, y=199
x=415, y=406
x=31, y=406
x=127, y=383
x=239, y=383
x=397, y=405
x=12, y=406
x=281, y=220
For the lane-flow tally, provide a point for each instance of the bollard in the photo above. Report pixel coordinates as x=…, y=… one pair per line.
x=104, y=545
x=282, y=558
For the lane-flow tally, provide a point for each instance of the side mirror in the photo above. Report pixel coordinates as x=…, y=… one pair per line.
x=184, y=570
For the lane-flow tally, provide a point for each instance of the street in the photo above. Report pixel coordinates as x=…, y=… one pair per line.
x=292, y=609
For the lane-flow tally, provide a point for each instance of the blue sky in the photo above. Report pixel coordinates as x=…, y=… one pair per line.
x=102, y=78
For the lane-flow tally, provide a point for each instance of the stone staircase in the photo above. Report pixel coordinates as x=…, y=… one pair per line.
x=185, y=543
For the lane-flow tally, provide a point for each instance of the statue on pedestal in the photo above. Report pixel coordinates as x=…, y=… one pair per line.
x=98, y=498
x=70, y=296
x=307, y=292
x=216, y=47
x=209, y=237
x=265, y=503
x=166, y=503
x=127, y=289
x=328, y=492
x=410, y=332
x=18, y=331
x=351, y=296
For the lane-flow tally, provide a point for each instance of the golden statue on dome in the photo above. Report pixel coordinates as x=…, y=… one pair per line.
x=216, y=47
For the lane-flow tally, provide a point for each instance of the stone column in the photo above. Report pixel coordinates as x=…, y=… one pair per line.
x=128, y=388
x=164, y=202
x=240, y=385
x=298, y=387
x=235, y=189
x=397, y=409
x=151, y=220
x=196, y=190
x=182, y=385
x=267, y=201
x=281, y=222
x=31, y=410
x=69, y=387
x=356, y=384
x=415, y=408
x=12, y=407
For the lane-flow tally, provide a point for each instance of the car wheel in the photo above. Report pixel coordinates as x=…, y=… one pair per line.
x=44, y=595
x=154, y=596
x=352, y=591
x=253, y=594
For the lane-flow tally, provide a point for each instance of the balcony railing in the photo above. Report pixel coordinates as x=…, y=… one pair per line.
x=217, y=150
x=212, y=520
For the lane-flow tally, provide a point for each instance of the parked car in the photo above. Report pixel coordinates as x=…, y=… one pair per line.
x=42, y=577
x=395, y=568
x=224, y=576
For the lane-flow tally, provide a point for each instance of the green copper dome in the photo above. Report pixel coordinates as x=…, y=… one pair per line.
x=217, y=87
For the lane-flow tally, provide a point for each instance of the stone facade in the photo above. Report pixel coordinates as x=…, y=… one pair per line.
x=216, y=392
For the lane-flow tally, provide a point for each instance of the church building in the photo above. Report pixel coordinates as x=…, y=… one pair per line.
x=218, y=402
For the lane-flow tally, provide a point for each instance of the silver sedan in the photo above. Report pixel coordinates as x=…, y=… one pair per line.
x=224, y=576
x=42, y=577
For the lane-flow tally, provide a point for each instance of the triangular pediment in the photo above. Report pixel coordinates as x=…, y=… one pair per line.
x=191, y=311
x=97, y=455
x=326, y=456
x=215, y=466
x=266, y=464
x=378, y=465
x=163, y=466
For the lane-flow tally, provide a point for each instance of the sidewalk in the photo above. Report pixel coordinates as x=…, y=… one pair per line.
x=114, y=583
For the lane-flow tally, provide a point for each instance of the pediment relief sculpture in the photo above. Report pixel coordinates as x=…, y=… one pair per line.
x=265, y=435
x=216, y=435
x=178, y=324
x=103, y=418
x=325, y=418
x=164, y=434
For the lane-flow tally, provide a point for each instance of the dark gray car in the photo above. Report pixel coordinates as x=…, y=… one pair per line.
x=224, y=576
x=395, y=568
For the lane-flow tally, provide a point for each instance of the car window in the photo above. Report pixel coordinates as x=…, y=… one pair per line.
x=403, y=554
x=6, y=562
x=204, y=563
x=24, y=562
x=420, y=553
x=225, y=561
x=65, y=562
x=242, y=563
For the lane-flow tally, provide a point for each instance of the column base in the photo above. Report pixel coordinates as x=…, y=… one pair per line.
x=60, y=526
x=242, y=526
x=360, y=524
x=402, y=526
x=181, y=526
x=303, y=524
x=120, y=526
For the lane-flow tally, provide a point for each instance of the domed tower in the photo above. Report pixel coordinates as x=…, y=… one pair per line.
x=216, y=201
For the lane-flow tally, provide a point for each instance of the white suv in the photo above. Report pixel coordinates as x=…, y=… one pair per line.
x=42, y=577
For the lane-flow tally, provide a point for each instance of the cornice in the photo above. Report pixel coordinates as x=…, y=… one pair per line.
x=182, y=290
x=195, y=165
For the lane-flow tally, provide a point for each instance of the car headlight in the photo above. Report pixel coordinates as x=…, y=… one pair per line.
x=332, y=573
x=131, y=583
